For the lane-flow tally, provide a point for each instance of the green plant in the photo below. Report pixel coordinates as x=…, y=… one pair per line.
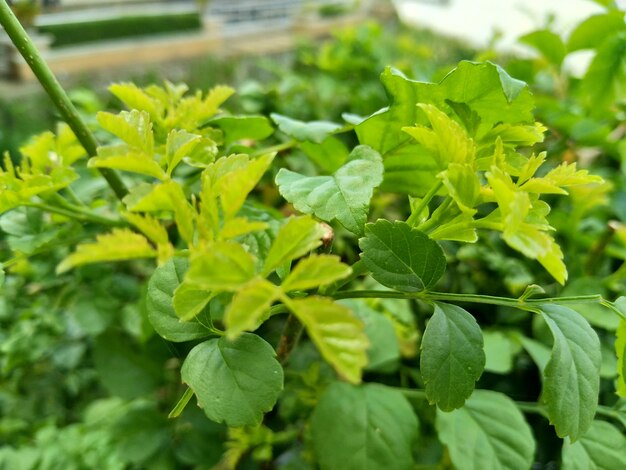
x=301, y=337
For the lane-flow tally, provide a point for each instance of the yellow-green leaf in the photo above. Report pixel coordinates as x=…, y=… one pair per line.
x=221, y=266
x=250, y=307
x=149, y=226
x=121, y=157
x=133, y=128
x=240, y=226
x=119, y=245
x=189, y=300
x=179, y=144
x=337, y=332
x=314, y=271
x=295, y=239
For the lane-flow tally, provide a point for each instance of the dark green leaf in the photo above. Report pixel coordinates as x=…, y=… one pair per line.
x=235, y=381
x=572, y=376
x=603, y=446
x=452, y=357
x=243, y=127
x=163, y=283
x=401, y=257
x=489, y=432
x=344, y=196
x=329, y=155
x=363, y=428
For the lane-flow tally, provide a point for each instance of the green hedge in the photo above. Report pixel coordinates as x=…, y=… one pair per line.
x=118, y=28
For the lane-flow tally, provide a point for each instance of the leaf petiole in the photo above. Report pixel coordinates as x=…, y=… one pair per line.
x=415, y=213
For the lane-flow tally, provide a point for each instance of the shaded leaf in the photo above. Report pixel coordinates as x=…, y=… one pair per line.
x=243, y=127
x=603, y=446
x=401, y=257
x=488, y=432
x=236, y=382
x=572, y=376
x=314, y=131
x=159, y=303
x=452, y=356
x=363, y=428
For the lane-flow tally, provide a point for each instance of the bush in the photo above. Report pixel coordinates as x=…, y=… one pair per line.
x=120, y=28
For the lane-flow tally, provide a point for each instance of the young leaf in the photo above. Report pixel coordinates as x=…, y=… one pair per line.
x=295, y=239
x=572, y=376
x=119, y=245
x=189, y=300
x=315, y=271
x=222, y=266
x=345, y=196
x=336, y=332
x=314, y=131
x=163, y=283
x=363, y=428
x=149, y=226
x=179, y=144
x=620, y=352
x=452, y=357
x=119, y=157
x=401, y=257
x=250, y=307
x=134, y=128
x=235, y=381
x=488, y=432
x=602, y=446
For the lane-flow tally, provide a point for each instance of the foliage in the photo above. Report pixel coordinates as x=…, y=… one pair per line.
x=336, y=294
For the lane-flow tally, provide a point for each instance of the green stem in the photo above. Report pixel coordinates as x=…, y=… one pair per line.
x=80, y=215
x=289, y=338
x=415, y=213
x=182, y=403
x=436, y=216
x=57, y=94
x=470, y=298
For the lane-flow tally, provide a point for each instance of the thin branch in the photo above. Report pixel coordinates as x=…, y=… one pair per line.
x=55, y=91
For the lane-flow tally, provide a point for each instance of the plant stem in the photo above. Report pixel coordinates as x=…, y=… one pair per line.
x=415, y=213
x=57, y=94
x=80, y=215
x=471, y=298
x=288, y=340
x=182, y=403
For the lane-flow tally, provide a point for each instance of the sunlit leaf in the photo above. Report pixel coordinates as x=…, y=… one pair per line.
x=315, y=271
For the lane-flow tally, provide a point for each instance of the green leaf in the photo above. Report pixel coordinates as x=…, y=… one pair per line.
x=603, y=446
x=243, y=127
x=401, y=257
x=452, y=356
x=222, y=266
x=447, y=141
x=336, y=332
x=2, y=275
x=234, y=187
x=344, y=196
x=250, y=307
x=593, y=31
x=500, y=351
x=329, y=155
x=539, y=353
x=314, y=271
x=119, y=245
x=572, y=376
x=189, y=300
x=163, y=283
x=620, y=352
x=488, y=432
x=236, y=382
x=548, y=43
x=363, y=428
x=314, y=131
x=602, y=84
x=383, y=354
x=134, y=128
x=295, y=238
